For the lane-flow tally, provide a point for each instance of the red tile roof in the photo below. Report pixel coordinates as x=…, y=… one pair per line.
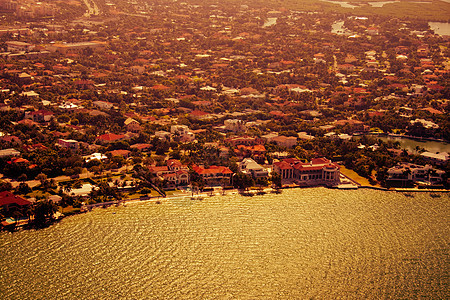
x=7, y=198
x=212, y=170
x=110, y=137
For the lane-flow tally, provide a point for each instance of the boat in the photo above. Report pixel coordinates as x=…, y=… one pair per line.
x=435, y=195
x=408, y=195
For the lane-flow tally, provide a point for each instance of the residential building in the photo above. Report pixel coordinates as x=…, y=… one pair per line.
x=251, y=167
x=68, y=144
x=436, y=158
x=235, y=125
x=162, y=135
x=409, y=173
x=110, y=138
x=10, y=152
x=173, y=174
x=39, y=115
x=214, y=175
x=281, y=140
x=258, y=152
x=103, y=104
x=96, y=155
x=120, y=152
x=244, y=141
x=320, y=171
x=132, y=125
x=182, y=133
x=10, y=202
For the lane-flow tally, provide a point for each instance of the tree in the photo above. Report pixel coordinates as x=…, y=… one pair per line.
x=43, y=212
x=242, y=181
x=22, y=178
x=42, y=178
x=23, y=188
x=276, y=179
x=5, y=186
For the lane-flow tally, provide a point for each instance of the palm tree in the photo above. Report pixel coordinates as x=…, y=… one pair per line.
x=44, y=211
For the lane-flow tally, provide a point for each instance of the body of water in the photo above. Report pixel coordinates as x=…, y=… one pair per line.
x=411, y=144
x=301, y=244
x=338, y=28
x=440, y=28
x=341, y=3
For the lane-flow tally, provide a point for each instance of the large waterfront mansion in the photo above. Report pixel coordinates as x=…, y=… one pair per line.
x=319, y=171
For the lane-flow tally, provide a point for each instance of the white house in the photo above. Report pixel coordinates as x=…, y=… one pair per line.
x=437, y=158
x=182, y=133
x=251, y=167
x=235, y=125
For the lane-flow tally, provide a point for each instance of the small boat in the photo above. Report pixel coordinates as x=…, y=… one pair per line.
x=435, y=195
x=408, y=195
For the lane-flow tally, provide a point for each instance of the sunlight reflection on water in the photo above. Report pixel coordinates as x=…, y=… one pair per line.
x=300, y=244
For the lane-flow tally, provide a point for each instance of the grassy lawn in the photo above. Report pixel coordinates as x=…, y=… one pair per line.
x=352, y=175
x=69, y=210
x=38, y=194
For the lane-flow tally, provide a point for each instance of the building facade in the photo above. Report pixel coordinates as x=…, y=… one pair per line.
x=320, y=171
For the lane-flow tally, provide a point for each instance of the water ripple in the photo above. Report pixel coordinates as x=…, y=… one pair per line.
x=308, y=243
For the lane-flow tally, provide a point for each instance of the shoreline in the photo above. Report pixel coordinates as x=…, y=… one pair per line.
x=249, y=193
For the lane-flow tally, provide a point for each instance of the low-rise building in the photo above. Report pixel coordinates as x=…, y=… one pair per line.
x=251, y=167
x=411, y=173
x=181, y=133
x=235, y=125
x=214, y=175
x=39, y=115
x=10, y=203
x=319, y=171
x=93, y=156
x=173, y=174
x=15, y=46
x=436, y=158
x=10, y=152
x=162, y=135
x=110, y=138
x=132, y=125
x=68, y=144
x=281, y=140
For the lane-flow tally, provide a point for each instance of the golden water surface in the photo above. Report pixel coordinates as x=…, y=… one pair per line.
x=301, y=244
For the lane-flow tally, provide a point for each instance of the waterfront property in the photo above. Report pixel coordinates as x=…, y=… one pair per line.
x=173, y=174
x=319, y=171
x=251, y=167
x=436, y=158
x=12, y=205
x=214, y=175
x=407, y=173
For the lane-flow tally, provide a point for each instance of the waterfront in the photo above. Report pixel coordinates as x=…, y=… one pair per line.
x=411, y=144
x=303, y=243
x=440, y=28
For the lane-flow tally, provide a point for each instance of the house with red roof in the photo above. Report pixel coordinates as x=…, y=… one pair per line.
x=110, y=138
x=214, y=175
x=199, y=114
x=39, y=115
x=141, y=146
x=319, y=171
x=173, y=174
x=10, y=202
x=120, y=152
